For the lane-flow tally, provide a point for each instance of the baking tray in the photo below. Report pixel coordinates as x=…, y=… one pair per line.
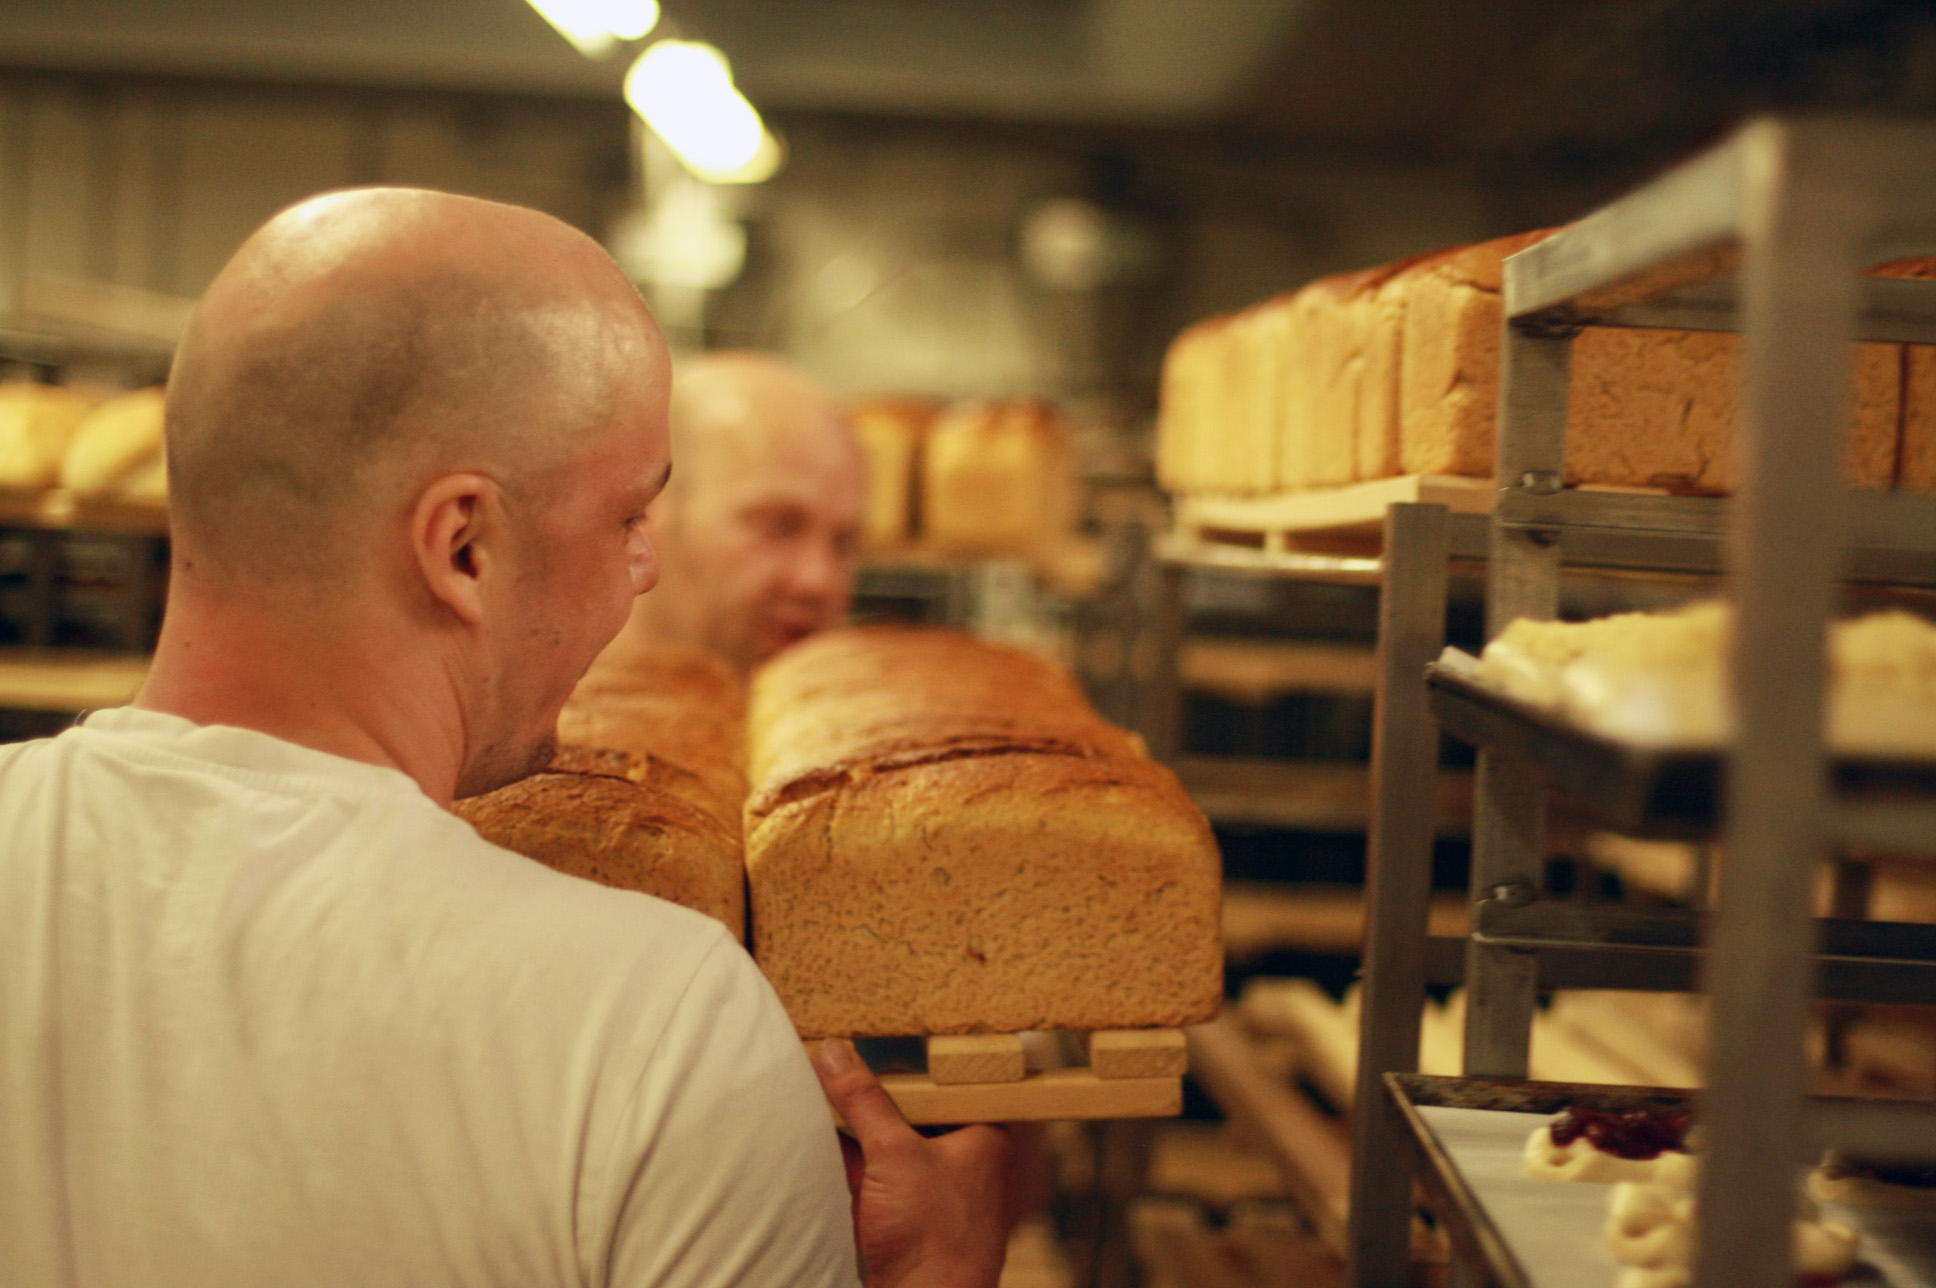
x=1467, y=1135
x=1643, y=791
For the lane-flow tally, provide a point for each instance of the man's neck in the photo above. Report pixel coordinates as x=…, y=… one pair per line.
x=222, y=660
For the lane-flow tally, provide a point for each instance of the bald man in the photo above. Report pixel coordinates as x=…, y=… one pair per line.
x=268, y=1012
x=757, y=539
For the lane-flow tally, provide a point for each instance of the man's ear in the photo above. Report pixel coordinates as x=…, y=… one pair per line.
x=448, y=533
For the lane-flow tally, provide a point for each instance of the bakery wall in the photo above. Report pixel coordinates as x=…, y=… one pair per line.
x=886, y=256
x=153, y=183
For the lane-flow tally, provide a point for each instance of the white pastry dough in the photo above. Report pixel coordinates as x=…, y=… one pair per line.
x=1650, y=1229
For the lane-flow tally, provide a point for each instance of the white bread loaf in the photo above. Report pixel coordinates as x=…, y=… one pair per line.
x=944, y=838
x=36, y=424
x=890, y=431
x=999, y=478
x=1190, y=402
x=1449, y=377
x=117, y=447
x=1256, y=345
x=1323, y=381
x=1378, y=443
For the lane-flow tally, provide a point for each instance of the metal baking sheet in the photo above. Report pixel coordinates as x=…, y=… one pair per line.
x=1546, y=1234
x=1641, y=791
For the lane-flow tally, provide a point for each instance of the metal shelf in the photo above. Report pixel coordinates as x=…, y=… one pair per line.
x=1767, y=234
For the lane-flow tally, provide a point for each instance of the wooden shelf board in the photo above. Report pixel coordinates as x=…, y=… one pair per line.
x=58, y=508
x=1261, y=917
x=46, y=681
x=1355, y=507
x=1308, y=795
x=1053, y=1094
x=1250, y=670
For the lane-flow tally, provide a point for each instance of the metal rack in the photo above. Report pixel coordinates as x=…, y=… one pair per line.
x=1767, y=233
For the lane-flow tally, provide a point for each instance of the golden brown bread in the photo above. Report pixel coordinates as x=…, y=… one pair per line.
x=608, y=816
x=683, y=706
x=998, y=478
x=945, y=838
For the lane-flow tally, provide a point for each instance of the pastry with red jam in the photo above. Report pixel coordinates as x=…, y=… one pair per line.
x=1606, y=1146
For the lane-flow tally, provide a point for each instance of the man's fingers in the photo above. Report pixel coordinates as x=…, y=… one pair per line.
x=853, y=1089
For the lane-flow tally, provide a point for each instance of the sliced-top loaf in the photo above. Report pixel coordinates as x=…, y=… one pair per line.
x=647, y=791
x=943, y=837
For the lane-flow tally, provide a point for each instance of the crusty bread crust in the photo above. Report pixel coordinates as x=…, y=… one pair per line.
x=944, y=838
x=606, y=816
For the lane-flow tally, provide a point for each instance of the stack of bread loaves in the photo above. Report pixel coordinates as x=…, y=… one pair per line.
x=646, y=792
x=1396, y=371
x=52, y=435
x=943, y=837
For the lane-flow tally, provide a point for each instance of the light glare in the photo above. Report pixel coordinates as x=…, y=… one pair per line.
x=684, y=90
x=595, y=26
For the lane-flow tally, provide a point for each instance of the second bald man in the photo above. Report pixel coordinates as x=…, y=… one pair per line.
x=757, y=536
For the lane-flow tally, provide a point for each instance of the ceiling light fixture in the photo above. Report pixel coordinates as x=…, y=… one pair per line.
x=684, y=90
x=595, y=27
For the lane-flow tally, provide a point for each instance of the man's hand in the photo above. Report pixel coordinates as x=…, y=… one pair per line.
x=927, y=1210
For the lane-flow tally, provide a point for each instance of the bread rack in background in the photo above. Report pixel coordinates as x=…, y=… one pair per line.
x=974, y=518
x=1767, y=232
x=83, y=558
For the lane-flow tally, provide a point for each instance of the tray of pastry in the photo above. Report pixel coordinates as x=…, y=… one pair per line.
x=1469, y=1140
x=1644, y=790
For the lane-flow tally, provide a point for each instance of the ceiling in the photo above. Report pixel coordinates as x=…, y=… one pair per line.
x=1550, y=85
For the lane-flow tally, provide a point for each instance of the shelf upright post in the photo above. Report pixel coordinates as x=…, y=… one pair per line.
x=1398, y=885
x=1509, y=803
x=1806, y=215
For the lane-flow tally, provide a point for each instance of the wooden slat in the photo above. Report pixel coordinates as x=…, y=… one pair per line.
x=54, y=682
x=977, y=1057
x=1310, y=1149
x=1260, y=917
x=1055, y=1094
x=59, y=508
x=1248, y=670
x=1357, y=507
x=1138, y=1053
x=1309, y=795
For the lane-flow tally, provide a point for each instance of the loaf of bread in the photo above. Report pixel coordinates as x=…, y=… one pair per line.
x=999, y=478
x=36, y=424
x=1659, y=408
x=683, y=707
x=1245, y=430
x=1449, y=373
x=1916, y=453
x=621, y=819
x=117, y=447
x=1191, y=400
x=890, y=431
x=943, y=837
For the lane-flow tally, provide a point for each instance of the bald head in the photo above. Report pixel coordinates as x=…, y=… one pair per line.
x=364, y=342
x=730, y=410
x=757, y=534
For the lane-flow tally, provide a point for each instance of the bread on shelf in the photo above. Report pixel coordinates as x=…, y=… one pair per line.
x=943, y=837
x=890, y=431
x=36, y=424
x=998, y=478
x=117, y=447
x=622, y=819
x=1449, y=364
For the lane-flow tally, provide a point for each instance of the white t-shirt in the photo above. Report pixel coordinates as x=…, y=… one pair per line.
x=269, y=1016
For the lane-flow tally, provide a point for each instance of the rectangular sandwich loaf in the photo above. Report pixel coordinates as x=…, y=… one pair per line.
x=943, y=837
x=647, y=789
